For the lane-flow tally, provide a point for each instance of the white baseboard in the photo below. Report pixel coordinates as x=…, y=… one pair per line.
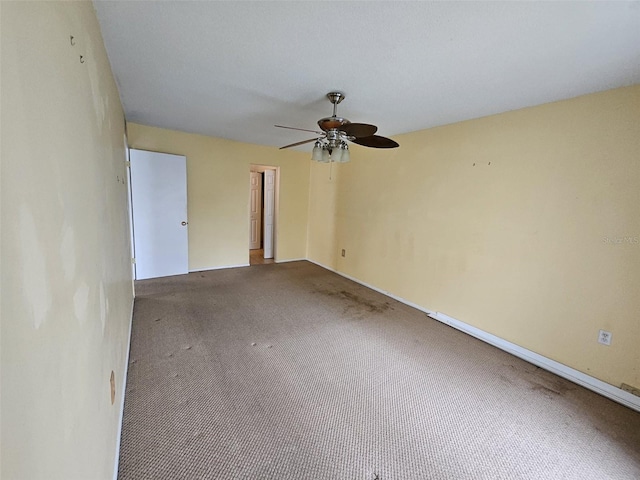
x=605, y=389
x=218, y=268
x=575, y=376
x=123, y=387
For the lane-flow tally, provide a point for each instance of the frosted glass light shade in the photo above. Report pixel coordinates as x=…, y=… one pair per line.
x=316, y=154
x=341, y=154
x=326, y=157
x=346, y=156
x=336, y=155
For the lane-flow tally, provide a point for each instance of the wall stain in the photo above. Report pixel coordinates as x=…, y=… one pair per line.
x=36, y=291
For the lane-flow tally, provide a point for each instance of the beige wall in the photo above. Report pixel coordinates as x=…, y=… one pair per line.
x=507, y=223
x=66, y=269
x=539, y=248
x=218, y=194
x=323, y=197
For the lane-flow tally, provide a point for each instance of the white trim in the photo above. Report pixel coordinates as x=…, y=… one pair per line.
x=122, y=389
x=598, y=386
x=219, y=268
x=587, y=381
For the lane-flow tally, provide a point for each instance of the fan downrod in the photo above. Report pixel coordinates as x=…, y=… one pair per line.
x=333, y=122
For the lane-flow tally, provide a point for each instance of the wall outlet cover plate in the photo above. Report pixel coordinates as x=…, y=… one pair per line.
x=604, y=337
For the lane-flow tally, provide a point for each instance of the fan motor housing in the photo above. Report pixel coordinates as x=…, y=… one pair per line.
x=329, y=123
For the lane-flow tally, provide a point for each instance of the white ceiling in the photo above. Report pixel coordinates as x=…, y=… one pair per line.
x=234, y=69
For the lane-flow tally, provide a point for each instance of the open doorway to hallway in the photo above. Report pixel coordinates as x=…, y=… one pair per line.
x=256, y=257
x=262, y=214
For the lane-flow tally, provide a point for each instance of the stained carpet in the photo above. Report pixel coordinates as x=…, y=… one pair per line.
x=289, y=371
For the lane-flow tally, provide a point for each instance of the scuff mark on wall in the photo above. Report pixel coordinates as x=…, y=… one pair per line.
x=80, y=302
x=35, y=288
x=100, y=100
x=68, y=253
x=104, y=306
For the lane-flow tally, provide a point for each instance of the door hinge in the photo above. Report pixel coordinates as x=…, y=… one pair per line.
x=133, y=261
x=127, y=164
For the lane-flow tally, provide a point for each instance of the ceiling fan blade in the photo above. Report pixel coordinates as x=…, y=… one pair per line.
x=301, y=129
x=359, y=130
x=299, y=143
x=376, y=141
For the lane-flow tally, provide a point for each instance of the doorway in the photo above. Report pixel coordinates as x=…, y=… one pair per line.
x=262, y=214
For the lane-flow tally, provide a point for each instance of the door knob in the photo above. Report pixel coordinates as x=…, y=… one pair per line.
x=183, y=223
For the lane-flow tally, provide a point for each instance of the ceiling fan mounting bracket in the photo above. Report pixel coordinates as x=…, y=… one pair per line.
x=335, y=97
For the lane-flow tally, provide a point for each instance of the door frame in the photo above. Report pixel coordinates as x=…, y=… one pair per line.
x=255, y=167
x=258, y=212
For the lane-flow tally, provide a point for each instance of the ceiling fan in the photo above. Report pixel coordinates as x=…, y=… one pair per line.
x=331, y=145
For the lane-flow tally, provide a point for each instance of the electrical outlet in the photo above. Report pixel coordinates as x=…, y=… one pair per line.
x=344, y=253
x=604, y=337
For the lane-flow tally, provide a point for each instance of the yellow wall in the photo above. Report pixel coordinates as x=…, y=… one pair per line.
x=323, y=207
x=218, y=194
x=540, y=247
x=66, y=268
x=508, y=223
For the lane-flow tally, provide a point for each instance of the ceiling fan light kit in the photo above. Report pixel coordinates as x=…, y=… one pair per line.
x=332, y=145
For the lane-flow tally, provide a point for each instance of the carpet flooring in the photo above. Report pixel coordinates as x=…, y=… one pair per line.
x=289, y=371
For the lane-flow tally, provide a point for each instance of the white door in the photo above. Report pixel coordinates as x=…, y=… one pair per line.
x=255, y=211
x=159, y=208
x=269, y=208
